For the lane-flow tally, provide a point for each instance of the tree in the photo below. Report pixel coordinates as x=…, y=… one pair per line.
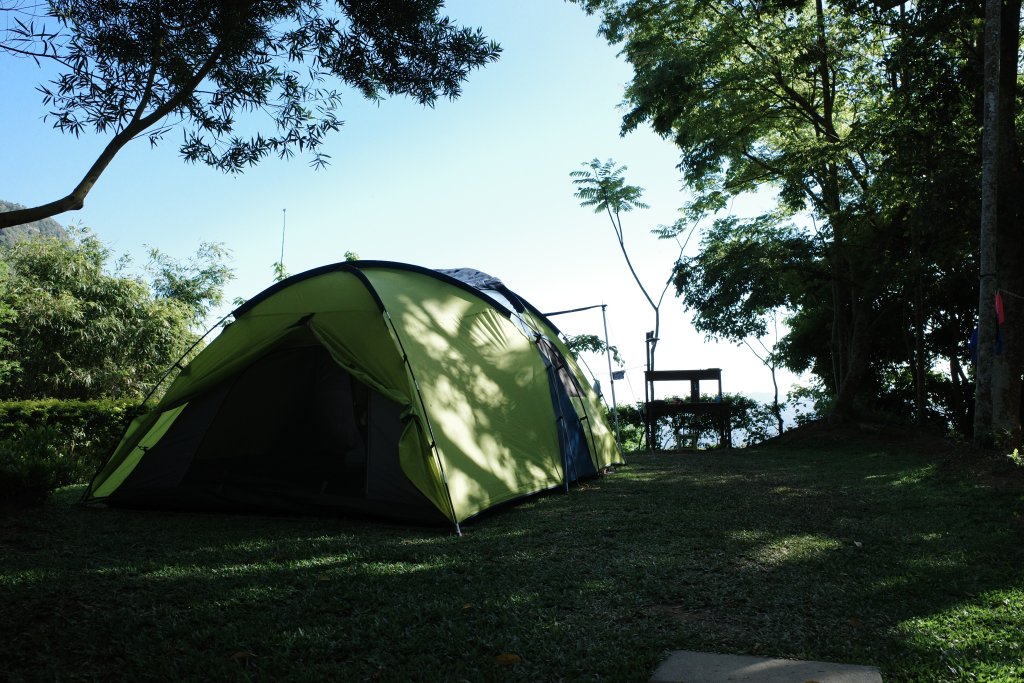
x=280, y=272
x=8, y=366
x=222, y=71
x=83, y=329
x=25, y=34
x=863, y=116
x=747, y=274
x=754, y=94
x=196, y=283
x=989, y=223
x=1007, y=366
x=603, y=187
x=591, y=343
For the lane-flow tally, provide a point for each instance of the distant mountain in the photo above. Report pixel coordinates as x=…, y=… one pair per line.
x=46, y=227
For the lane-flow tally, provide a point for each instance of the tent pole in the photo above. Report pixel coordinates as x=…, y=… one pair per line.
x=566, y=458
x=611, y=379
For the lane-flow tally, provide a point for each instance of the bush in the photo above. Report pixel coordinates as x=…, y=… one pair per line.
x=35, y=464
x=97, y=422
x=47, y=443
x=631, y=426
x=73, y=325
x=751, y=422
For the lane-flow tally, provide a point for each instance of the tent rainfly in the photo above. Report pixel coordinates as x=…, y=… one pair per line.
x=418, y=395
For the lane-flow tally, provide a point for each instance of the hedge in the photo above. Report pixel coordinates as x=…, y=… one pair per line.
x=751, y=422
x=48, y=443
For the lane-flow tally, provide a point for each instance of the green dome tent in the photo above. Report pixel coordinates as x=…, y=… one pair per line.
x=419, y=395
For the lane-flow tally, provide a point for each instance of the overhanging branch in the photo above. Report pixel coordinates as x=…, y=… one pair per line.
x=75, y=200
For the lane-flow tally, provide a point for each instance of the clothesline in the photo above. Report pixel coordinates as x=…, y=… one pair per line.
x=1013, y=294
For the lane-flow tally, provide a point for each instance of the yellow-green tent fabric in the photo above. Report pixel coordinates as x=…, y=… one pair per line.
x=421, y=395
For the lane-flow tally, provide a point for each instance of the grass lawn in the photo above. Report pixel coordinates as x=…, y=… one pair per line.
x=858, y=554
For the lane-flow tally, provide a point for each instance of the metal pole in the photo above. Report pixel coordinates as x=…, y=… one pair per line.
x=649, y=424
x=284, y=216
x=611, y=379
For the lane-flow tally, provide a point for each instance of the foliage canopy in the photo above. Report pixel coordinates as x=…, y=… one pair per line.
x=863, y=117
x=72, y=326
x=241, y=80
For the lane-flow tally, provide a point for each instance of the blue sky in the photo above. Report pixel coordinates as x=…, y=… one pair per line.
x=481, y=182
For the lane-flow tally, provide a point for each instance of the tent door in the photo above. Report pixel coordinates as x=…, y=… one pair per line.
x=572, y=439
x=292, y=432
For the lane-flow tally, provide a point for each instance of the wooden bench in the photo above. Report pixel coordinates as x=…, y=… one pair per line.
x=655, y=408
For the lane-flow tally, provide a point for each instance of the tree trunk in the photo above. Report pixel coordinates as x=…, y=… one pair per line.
x=920, y=362
x=989, y=193
x=960, y=407
x=776, y=408
x=1009, y=364
x=857, y=365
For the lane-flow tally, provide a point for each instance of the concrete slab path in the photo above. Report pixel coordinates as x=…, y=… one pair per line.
x=684, y=666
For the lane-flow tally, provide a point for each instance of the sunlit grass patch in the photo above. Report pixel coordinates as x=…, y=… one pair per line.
x=980, y=638
x=799, y=548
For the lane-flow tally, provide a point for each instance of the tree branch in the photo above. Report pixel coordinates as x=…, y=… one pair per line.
x=75, y=200
x=625, y=254
x=33, y=55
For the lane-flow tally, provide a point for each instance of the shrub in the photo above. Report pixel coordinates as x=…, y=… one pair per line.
x=35, y=464
x=751, y=422
x=47, y=443
x=73, y=325
x=100, y=422
x=631, y=426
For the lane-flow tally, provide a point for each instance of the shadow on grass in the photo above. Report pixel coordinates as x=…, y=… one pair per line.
x=850, y=555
